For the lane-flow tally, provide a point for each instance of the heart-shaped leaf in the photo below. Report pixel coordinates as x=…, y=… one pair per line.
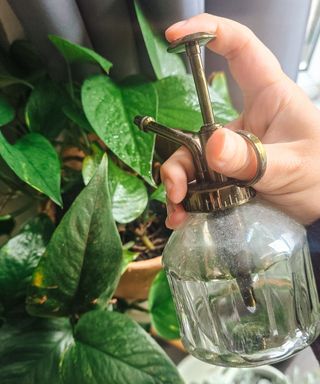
x=111, y=348
x=74, y=52
x=7, y=112
x=179, y=104
x=44, y=109
x=161, y=307
x=129, y=196
x=34, y=161
x=111, y=109
x=30, y=351
x=19, y=257
x=91, y=163
x=83, y=258
x=164, y=64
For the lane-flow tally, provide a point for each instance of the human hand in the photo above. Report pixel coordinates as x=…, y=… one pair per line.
x=275, y=110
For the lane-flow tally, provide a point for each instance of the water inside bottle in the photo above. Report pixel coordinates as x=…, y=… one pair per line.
x=220, y=325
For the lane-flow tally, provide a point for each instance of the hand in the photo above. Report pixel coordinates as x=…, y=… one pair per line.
x=275, y=110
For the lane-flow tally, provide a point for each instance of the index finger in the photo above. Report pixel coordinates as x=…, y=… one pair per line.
x=251, y=63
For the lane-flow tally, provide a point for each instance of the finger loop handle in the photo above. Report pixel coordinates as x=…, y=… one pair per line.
x=261, y=156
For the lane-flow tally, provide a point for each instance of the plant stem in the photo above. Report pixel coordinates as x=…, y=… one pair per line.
x=138, y=308
x=147, y=242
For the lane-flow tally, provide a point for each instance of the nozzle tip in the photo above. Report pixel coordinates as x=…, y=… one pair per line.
x=142, y=121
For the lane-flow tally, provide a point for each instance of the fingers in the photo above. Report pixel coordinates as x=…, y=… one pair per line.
x=176, y=172
x=176, y=215
x=253, y=66
x=230, y=154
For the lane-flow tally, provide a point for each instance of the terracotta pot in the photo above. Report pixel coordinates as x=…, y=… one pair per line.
x=137, y=279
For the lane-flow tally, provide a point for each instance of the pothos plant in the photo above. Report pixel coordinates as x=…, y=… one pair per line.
x=57, y=278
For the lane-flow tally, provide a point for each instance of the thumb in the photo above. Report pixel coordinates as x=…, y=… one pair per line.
x=230, y=154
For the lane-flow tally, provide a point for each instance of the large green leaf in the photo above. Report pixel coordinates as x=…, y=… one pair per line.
x=129, y=196
x=7, y=112
x=91, y=163
x=36, y=162
x=83, y=258
x=19, y=257
x=161, y=307
x=164, y=64
x=111, y=109
x=73, y=52
x=111, y=348
x=30, y=351
x=221, y=100
x=128, y=193
x=44, y=109
x=179, y=104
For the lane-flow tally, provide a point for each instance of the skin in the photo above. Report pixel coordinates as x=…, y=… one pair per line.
x=275, y=109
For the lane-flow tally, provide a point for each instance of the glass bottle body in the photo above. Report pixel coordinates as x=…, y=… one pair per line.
x=243, y=286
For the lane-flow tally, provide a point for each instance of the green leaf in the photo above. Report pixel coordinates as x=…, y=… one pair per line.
x=73, y=52
x=83, y=258
x=164, y=64
x=161, y=307
x=224, y=113
x=30, y=351
x=129, y=194
x=6, y=80
x=159, y=194
x=19, y=257
x=178, y=103
x=91, y=163
x=221, y=100
x=77, y=116
x=7, y=112
x=111, y=348
x=128, y=257
x=44, y=109
x=219, y=88
x=111, y=109
x=36, y=162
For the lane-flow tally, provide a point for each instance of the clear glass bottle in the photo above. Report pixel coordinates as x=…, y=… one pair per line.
x=243, y=285
x=239, y=270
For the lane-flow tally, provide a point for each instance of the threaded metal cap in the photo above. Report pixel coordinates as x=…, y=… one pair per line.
x=206, y=198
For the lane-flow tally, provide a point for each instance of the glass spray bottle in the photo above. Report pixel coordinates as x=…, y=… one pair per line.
x=239, y=270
